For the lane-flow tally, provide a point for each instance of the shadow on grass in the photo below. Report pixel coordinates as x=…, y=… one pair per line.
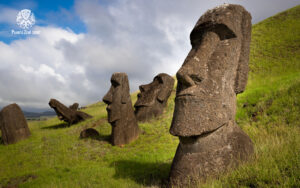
x=14, y=182
x=105, y=138
x=144, y=173
x=102, y=138
x=57, y=126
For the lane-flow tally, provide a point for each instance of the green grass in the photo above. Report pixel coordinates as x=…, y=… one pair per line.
x=268, y=111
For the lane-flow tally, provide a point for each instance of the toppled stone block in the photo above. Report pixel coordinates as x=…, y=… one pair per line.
x=153, y=97
x=13, y=124
x=69, y=115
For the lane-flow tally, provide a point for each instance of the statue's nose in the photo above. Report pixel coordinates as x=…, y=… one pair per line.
x=184, y=78
x=108, y=97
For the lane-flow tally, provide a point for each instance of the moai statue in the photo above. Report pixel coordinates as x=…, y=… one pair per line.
x=153, y=97
x=13, y=124
x=213, y=73
x=69, y=115
x=120, y=112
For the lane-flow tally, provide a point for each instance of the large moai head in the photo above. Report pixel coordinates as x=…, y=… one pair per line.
x=120, y=113
x=214, y=71
x=13, y=124
x=153, y=97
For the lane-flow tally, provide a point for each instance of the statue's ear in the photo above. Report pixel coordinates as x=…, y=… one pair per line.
x=243, y=67
x=125, y=90
x=165, y=92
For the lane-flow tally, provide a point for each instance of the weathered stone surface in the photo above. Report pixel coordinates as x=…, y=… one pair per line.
x=89, y=133
x=13, y=124
x=69, y=115
x=120, y=112
x=74, y=106
x=198, y=157
x=214, y=71
x=153, y=97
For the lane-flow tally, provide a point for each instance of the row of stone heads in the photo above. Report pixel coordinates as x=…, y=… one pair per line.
x=213, y=73
x=151, y=101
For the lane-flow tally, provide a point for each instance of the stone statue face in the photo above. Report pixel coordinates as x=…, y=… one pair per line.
x=156, y=91
x=148, y=93
x=117, y=96
x=206, y=90
x=153, y=97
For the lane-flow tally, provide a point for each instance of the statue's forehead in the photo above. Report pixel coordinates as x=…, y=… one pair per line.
x=225, y=20
x=224, y=14
x=162, y=78
x=117, y=77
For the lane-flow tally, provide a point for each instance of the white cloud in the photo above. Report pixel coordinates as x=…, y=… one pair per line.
x=8, y=15
x=35, y=69
x=141, y=38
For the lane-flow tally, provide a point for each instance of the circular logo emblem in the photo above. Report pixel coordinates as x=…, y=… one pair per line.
x=25, y=19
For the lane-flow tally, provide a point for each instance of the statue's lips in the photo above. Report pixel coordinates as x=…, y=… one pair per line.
x=185, y=96
x=144, y=103
x=193, y=92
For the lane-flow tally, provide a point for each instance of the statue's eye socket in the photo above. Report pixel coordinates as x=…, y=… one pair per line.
x=197, y=80
x=160, y=80
x=114, y=83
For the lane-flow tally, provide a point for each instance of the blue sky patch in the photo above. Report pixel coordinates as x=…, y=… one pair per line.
x=54, y=13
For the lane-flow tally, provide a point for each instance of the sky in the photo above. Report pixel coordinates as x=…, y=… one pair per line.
x=80, y=43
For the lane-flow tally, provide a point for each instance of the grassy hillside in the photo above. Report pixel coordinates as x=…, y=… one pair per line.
x=268, y=111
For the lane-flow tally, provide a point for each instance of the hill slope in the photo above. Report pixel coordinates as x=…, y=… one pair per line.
x=268, y=111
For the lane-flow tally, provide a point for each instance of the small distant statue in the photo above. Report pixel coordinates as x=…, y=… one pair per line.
x=120, y=112
x=153, y=97
x=13, y=124
x=69, y=115
x=213, y=73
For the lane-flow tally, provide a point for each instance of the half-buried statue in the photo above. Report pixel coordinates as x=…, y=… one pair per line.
x=13, y=124
x=213, y=73
x=153, y=97
x=120, y=113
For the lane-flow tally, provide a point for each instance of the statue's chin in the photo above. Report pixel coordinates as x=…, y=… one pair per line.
x=194, y=117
